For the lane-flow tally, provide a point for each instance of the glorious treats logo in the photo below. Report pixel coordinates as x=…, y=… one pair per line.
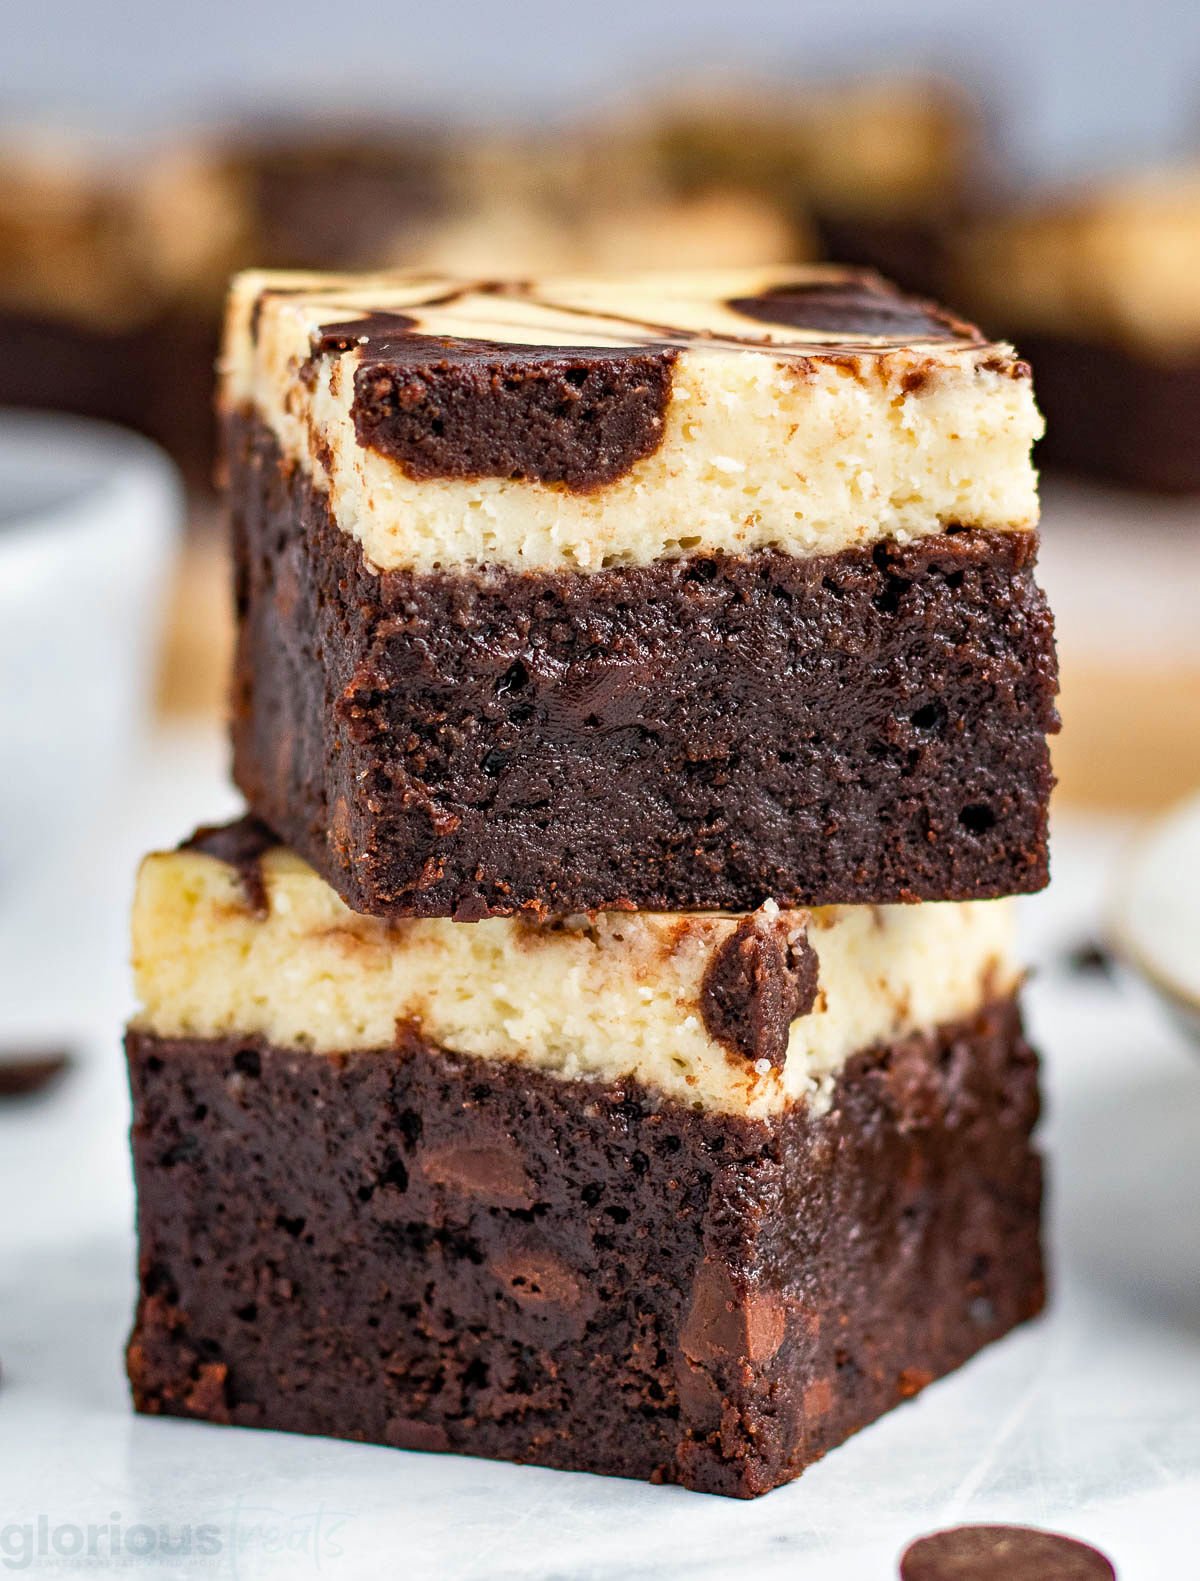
x=220, y=1543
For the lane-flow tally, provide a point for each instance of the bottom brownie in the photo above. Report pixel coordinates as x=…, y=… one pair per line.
x=414, y=1248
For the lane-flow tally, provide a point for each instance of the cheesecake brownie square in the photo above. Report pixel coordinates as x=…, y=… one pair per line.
x=667, y=593
x=686, y=1198
x=1098, y=286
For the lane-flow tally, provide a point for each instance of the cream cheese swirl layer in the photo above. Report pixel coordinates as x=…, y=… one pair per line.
x=605, y=997
x=854, y=416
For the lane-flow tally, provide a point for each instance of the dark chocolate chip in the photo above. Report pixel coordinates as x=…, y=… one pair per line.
x=756, y=985
x=728, y=1320
x=1089, y=958
x=28, y=1071
x=495, y=1174
x=1002, y=1553
x=538, y=1277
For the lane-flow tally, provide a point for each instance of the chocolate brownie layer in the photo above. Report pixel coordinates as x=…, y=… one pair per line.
x=409, y=1247
x=705, y=731
x=445, y=409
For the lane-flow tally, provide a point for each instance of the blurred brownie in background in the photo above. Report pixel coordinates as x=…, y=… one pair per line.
x=111, y=272
x=1099, y=288
x=873, y=171
x=318, y=194
x=481, y=200
x=585, y=197
x=76, y=317
x=112, y=275
x=896, y=166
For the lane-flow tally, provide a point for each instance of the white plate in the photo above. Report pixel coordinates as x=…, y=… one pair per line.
x=1156, y=911
x=88, y=514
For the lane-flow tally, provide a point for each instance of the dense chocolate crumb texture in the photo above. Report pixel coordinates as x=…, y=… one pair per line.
x=410, y=1247
x=700, y=732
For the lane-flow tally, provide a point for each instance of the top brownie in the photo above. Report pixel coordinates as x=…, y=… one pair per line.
x=665, y=592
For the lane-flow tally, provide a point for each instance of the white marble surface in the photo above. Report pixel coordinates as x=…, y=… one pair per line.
x=1087, y=1421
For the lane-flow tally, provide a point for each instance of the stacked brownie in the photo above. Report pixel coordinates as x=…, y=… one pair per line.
x=599, y=1045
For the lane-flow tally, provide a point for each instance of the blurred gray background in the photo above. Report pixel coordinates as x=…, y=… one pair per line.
x=1077, y=83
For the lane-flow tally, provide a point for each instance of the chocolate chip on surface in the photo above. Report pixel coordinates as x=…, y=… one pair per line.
x=1003, y=1553
x=24, y=1072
